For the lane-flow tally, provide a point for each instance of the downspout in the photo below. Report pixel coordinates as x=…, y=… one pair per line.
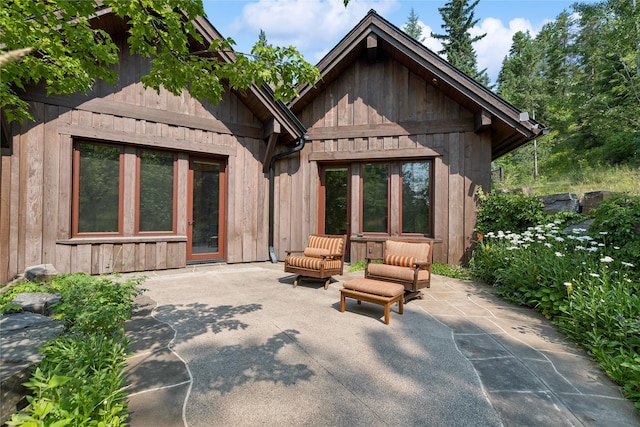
x=272, y=164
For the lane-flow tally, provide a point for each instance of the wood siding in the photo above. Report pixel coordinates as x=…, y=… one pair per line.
x=381, y=110
x=36, y=190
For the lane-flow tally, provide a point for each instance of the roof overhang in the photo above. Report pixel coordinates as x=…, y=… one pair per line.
x=376, y=36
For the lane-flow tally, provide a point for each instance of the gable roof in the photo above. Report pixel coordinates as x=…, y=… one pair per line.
x=509, y=129
x=259, y=99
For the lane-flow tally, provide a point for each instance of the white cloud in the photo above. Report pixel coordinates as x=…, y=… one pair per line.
x=312, y=26
x=430, y=42
x=492, y=49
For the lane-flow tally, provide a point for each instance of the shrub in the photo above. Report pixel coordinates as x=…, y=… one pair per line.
x=513, y=212
x=618, y=220
x=569, y=278
x=94, y=304
x=79, y=382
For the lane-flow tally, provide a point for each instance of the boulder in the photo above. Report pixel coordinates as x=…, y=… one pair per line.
x=23, y=335
x=563, y=202
x=36, y=302
x=40, y=273
x=593, y=199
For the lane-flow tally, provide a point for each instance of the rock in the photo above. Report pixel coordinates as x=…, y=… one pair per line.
x=37, y=302
x=593, y=199
x=564, y=202
x=40, y=273
x=23, y=335
x=584, y=225
x=13, y=375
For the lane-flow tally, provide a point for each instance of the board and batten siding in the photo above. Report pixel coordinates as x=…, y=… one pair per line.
x=36, y=190
x=383, y=111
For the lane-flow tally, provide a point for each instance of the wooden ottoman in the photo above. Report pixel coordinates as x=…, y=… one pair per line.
x=374, y=291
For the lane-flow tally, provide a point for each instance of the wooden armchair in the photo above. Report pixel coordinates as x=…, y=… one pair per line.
x=405, y=262
x=322, y=258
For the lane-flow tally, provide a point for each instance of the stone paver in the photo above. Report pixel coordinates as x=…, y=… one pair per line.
x=237, y=345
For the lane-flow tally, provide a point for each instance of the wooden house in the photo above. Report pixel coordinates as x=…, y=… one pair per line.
x=399, y=141
x=127, y=179
x=393, y=141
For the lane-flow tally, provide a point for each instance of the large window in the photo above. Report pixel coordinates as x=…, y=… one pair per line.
x=156, y=191
x=375, y=198
x=99, y=183
x=416, y=197
x=396, y=209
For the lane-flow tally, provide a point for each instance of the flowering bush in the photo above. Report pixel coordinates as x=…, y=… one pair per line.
x=576, y=280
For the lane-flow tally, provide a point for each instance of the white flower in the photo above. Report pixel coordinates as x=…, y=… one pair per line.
x=559, y=239
x=558, y=254
x=567, y=284
x=548, y=245
x=616, y=247
x=606, y=259
x=580, y=248
x=627, y=264
x=603, y=233
x=593, y=249
x=601, y=245
x=594, y=275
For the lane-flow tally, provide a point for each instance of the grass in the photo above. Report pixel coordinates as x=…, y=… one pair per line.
x=617, y=179
x=439, y=268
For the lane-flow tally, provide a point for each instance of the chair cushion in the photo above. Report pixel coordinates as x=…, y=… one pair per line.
x=396, y=272
x=419, y=251
x=311, y=263
x=316, y=252
x=400, y=260
x=375, y=287
x=331, y=244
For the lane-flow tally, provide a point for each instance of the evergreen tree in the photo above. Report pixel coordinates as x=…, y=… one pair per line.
x=606, y=104
x=413, y=28
x=520, y=81
x=458, y=17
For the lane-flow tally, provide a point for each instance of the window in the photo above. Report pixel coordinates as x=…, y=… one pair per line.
x=375, y=198
x=416, y=197
x=99, y=182
x=156, y=191
x=396, y=197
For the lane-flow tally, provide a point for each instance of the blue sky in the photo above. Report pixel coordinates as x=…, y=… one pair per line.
x=315, y=26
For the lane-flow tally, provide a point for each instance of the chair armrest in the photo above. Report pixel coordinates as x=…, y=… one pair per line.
x=420, y=265
x=332, y=256
x=294, y=252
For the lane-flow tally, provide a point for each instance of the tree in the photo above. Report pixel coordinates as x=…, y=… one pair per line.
x=458, y=17
x=607, y=102
x=68, y=55
x=413, y=28
x=520, y=82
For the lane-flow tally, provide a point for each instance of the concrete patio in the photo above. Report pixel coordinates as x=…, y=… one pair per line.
x=237, y=345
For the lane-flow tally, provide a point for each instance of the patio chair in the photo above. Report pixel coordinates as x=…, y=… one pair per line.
x=322, y=258
x=407, y=263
